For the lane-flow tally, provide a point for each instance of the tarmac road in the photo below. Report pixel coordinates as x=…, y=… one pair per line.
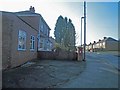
x=101, y=72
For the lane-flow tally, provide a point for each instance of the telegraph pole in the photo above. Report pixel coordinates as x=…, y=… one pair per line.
x=84, y=30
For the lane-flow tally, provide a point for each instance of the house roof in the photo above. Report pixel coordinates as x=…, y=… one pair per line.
x=111, y=39
x=51, y=39
x=11, y=13
x=29, y=13
x=108, y=39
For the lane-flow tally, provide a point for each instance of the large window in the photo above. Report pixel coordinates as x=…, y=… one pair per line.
x=22, y=40
x=41, y=43
x=32, y=43
x=47, y=32
x=41, y=26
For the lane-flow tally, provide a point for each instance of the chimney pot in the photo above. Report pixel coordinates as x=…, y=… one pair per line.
x=105, y=37
x=32, y=9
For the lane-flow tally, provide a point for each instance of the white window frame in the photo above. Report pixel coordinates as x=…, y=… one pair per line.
x=47, y=32
x=41, y=43
x=32, y=42
x=42, y=26
x=22, y=34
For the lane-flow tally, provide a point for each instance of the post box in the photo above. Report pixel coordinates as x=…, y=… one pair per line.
x=80, y=53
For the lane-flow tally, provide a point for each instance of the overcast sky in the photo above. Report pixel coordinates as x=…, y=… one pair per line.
x=102, y=17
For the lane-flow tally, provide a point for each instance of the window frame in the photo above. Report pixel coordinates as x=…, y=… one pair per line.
x=23, y=36
x=41, y=43
x=33, y=43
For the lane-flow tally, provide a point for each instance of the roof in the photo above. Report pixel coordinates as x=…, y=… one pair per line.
x=108, y=39
x=29, y=13
x=111, y=39
x=11, y=13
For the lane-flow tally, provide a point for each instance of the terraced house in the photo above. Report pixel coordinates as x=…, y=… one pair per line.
x=106, y=44
x=23, y=34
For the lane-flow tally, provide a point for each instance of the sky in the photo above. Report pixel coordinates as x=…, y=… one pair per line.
x=102, y=17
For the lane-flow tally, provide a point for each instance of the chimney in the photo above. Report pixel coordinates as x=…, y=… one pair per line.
x=32, y=9
x=94, y=41
x=99, y=40
x=105, y=37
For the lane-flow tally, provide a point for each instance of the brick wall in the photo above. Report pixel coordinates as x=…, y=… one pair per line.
x=13, y=57
x=61, y=55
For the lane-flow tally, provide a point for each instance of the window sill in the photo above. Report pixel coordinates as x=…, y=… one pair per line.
x=21, y=49
x=32, y=50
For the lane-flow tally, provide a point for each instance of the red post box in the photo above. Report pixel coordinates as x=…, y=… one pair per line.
x=80, y=53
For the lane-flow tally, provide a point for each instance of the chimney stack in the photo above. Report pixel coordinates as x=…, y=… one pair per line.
x=32, y=9
x=105, y=37
x=94, y=41
x=99, y=40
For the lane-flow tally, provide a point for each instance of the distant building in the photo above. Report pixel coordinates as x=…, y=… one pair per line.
x=94, y=46
x=109, y=44
x=90, y=47
x=106, y=44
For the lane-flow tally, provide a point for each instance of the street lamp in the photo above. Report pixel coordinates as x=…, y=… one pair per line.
x=84, y=45
x=81, y=30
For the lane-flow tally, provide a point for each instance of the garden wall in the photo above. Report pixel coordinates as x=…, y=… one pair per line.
x=58, y=55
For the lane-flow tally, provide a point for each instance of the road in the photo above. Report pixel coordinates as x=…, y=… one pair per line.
x=101, y=72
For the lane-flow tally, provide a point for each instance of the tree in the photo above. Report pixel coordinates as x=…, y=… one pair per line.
x=58, y=30
x=71, y=36
x=65, y=33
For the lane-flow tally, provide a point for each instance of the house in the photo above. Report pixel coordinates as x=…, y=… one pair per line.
x=106, y=44
x=109, y=44
x=23, y=34
x=52, y=43
x=87, y=47
x=19, y=41
x=94, y=46
x=38, y=22
x=90, y=47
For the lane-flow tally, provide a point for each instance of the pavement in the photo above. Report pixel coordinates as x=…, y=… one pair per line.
x=99, y=71
x=42, y=74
